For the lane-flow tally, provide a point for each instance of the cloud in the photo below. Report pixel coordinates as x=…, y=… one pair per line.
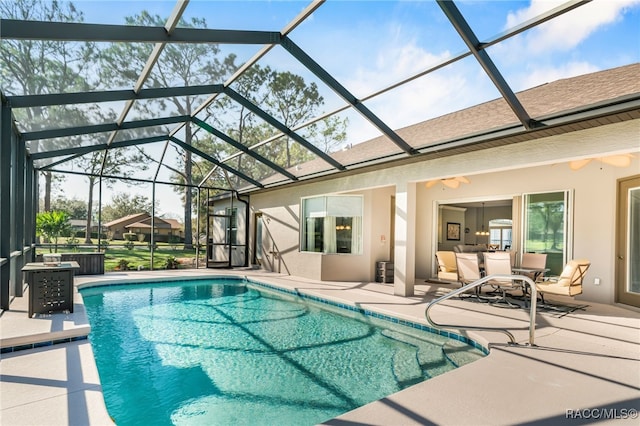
x=569, y=30
x=429, y=96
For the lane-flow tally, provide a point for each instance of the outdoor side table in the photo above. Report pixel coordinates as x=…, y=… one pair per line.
x=50, y=287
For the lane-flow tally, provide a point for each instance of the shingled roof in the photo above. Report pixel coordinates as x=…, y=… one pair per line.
x=493, y=123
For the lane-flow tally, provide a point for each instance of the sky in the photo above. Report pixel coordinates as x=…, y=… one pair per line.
x=370, y=45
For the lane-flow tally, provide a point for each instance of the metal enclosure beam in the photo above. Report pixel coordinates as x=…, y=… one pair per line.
x=5, y=204
x=278, y=125
x=81, y=150
x=217, y=133
x=69, y=31
x=100, y=128
x=472, y=42
x=206, y=156
x=29, y=101
x=328, y=79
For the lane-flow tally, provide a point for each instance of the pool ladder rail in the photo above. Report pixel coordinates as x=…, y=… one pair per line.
x=481, y=281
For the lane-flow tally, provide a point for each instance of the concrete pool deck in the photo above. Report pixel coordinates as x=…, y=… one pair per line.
x=585, y=366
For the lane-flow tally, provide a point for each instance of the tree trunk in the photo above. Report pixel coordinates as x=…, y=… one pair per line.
x=87, y=233
x=47, y=191
x=188, y=229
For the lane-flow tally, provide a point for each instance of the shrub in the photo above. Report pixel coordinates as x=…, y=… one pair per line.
x=171, y=263
x=51, y=225
x=129, y=236
x=123, y=265
x=72, y=243
x=129, y=245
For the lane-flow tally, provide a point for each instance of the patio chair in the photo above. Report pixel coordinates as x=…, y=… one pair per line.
x=447, y=269
x=534, y=261
x=468, y=269
x=569, y=283
x=499, y=263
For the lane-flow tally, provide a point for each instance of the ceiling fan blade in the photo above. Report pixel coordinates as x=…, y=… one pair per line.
x=578, y=164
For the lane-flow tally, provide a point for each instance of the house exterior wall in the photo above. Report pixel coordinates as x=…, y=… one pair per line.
x=503, y=172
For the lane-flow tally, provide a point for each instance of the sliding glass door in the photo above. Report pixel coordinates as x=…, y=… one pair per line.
x=547, y=227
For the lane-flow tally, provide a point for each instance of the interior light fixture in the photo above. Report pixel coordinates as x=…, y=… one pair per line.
x=483, y=232
x=452, y=182
x=621, y=160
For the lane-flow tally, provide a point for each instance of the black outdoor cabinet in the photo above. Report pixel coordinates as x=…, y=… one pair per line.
x=50, y=287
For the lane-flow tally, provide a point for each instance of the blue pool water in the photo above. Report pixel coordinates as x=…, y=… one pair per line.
x=232, y=352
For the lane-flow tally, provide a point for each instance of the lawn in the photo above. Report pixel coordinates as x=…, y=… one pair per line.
x=137, y=257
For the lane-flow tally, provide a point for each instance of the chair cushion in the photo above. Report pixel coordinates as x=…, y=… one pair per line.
x=446, y=261
x=448, y=276
x=554, y=288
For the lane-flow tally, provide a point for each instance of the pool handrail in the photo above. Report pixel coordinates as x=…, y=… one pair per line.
x=483, y=280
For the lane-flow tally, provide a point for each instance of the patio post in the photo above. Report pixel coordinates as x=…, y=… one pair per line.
x=405, y=239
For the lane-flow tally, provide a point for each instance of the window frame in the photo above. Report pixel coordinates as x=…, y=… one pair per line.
x=567, y=228
x=320, y=225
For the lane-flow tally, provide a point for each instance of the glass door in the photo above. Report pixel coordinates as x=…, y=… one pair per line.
x=547, y=228
x=628, y=242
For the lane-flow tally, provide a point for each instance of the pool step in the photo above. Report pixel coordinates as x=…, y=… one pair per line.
x=459, y=353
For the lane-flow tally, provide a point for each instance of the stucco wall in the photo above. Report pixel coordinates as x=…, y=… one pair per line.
x=282, y=225
x=533, y=166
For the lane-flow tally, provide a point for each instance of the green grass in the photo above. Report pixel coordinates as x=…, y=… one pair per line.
x=140, y=255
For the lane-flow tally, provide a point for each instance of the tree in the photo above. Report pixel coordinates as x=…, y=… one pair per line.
x=108, y=163
x=289, y=99
x=51, y=225
x=179, y=65
x=124, y=204
x=74, y=207
x=36, y=67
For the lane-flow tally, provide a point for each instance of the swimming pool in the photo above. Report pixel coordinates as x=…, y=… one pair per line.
x=231, y=351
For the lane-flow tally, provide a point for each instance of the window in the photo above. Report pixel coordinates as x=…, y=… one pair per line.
x=332, y=224
x=500, y=233
x=231, y=226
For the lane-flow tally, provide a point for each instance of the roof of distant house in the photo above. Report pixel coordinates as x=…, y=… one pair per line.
x=127, y=218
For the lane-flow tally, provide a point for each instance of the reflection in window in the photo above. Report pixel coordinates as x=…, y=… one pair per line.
x=546, y=227
x=500, y=233
x=332, y=224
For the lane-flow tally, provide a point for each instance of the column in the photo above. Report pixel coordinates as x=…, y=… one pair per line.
x=405, y=240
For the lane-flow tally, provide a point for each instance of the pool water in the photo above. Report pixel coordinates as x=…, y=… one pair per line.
x=230, y=352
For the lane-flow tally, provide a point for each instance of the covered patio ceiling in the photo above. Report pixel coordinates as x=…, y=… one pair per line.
x=246, y=140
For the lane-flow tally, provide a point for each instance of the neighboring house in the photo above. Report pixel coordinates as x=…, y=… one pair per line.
x=140, y=223
x=116, y=228
x=337, y=227
x=80, y=225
